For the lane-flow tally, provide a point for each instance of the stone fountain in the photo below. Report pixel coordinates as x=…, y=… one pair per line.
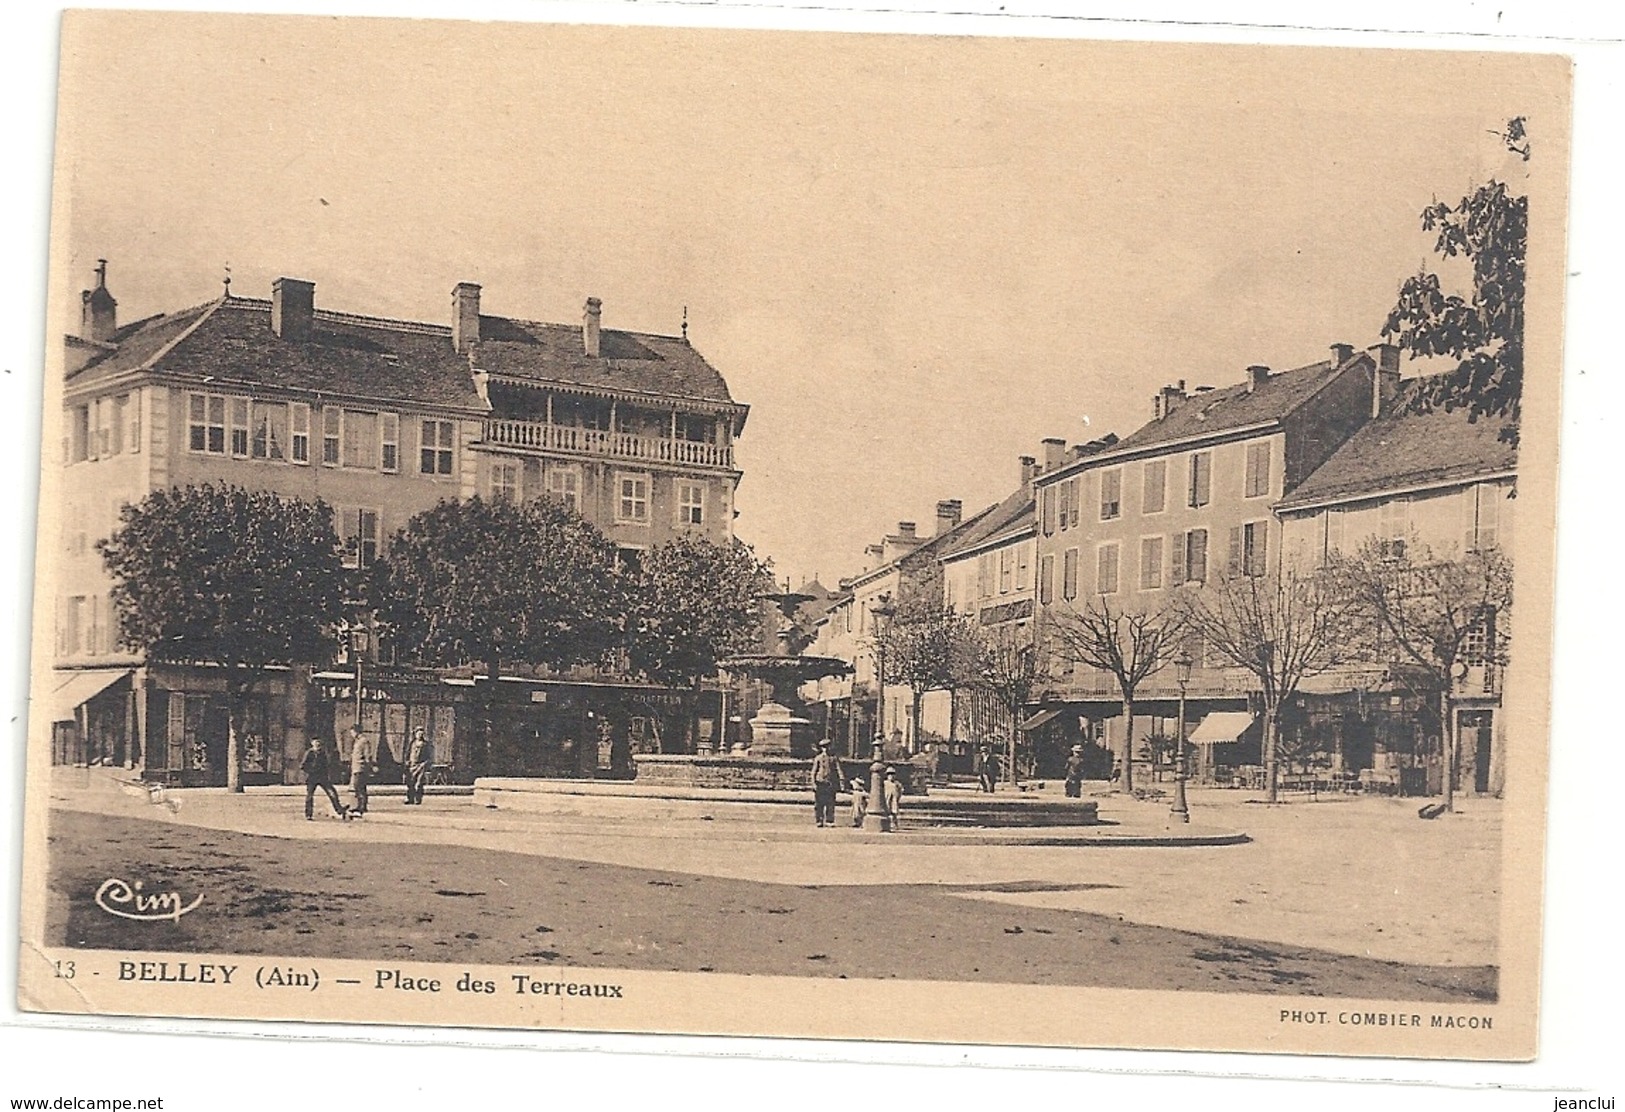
x=780, y=741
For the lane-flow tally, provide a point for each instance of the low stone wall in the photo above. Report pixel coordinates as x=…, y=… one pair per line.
x=777, y=774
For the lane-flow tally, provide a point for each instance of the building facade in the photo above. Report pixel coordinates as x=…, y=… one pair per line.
x=382, y=419
x=1431, y=485
x=1186, y=499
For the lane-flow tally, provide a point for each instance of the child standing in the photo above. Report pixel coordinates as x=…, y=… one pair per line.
x=860, y=801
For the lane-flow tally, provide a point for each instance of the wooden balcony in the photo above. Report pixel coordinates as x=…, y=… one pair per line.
x=537, y=436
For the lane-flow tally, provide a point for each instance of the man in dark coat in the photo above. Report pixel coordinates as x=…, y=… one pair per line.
x=987, y=767
x=318, y=769
x=826, y=778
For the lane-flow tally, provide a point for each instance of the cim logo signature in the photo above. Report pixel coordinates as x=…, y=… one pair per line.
x=128, y=901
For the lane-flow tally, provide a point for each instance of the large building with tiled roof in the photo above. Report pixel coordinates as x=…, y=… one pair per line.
x=1442, y=480
x=380, y=418
x=1182, y=501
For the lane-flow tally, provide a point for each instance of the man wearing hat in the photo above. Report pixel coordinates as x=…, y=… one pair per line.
x=826, y=778
x=1074, y=773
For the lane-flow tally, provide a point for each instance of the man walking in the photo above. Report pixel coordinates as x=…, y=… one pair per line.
x=826, y=778
x=363, y=760
x=987, y=767
x=318, y=769
x=419, y=756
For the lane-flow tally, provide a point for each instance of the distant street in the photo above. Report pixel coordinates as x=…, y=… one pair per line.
x=433, y=885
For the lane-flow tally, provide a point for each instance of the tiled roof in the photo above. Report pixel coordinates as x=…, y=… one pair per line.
x=1408, y=448
x=370, y=357
x=233, y=345
x=631, y=361
x=1234, y=407
x=1007, y=518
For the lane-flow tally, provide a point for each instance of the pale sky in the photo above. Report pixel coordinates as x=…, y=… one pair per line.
x=912, y=257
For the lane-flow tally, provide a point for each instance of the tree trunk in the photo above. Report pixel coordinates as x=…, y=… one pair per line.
x=914, y=725
x=1272, y=748
x=236, y=695
x=1447, y=742
x=1128, y=745
x=953, y=716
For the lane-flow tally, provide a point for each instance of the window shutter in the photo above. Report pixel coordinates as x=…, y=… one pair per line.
x=1261, y=542
x=1198, y=559
x=1234, y=565
x=1178, y=577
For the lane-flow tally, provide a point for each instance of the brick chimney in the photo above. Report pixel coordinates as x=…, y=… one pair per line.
x=1385, y=378
x=465, y=316
x=1257, y=375
x=1029, y=469
x=1342, y=353
x=1054, y=452
x=906, y=530
x=950, y=512
x=1167, y=400
x=293, y=308
x=591, y=322
x=98, y=316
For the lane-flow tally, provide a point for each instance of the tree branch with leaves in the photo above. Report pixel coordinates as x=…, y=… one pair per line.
x=237, y=578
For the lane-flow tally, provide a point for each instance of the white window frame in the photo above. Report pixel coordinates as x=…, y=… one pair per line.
x=570, y=498
x=357, y=557
x=332, y=436
x=253, y=434
x=505, y=479
x=437, y=446
x=239, y=425
x=208, y=424
x=299, y=433
x=622, y=499
x=1024, y=565
x=690, y=511
x=389, y=443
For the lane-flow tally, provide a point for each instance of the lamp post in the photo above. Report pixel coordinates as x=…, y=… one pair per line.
x=358, y=649
x=877, y=817
x=1181, y=811
x=1455, y=674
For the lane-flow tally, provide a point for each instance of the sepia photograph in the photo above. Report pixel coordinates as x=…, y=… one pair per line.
x=851, y=536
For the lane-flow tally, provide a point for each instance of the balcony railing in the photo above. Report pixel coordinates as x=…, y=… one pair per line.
x=542, y=437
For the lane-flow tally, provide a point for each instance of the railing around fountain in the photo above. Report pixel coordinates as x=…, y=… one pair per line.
x=542, y=437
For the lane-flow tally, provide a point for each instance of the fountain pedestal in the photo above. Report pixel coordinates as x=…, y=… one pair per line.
x=773, y=732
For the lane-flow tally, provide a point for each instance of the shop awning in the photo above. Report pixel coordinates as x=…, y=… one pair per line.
x=1039, y=719
x=75, y=688
x=1221, y=727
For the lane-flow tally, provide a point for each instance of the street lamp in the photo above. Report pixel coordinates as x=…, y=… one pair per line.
x=1181, y=811
x=877, y=817
x=358, y=649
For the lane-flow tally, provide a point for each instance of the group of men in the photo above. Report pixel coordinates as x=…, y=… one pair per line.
x=320, y=763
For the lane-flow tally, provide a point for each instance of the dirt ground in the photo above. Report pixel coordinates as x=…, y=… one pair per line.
x=374, y=898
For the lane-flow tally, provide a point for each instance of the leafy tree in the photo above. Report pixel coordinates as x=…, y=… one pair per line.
x=696, y=602
x=220, y=575
x=492, y=581
x=928, y=647
x=1482, y=332
x=1282, y=628
x=1424, y=610
x=1130, y=645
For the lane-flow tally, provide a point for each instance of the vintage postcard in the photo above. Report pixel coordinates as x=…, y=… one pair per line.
x=1001, y=541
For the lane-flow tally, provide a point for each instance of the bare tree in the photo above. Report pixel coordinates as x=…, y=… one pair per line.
x=1282, y=628
x=1009, y=669
x=1432, y=613
x=1130, y=644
